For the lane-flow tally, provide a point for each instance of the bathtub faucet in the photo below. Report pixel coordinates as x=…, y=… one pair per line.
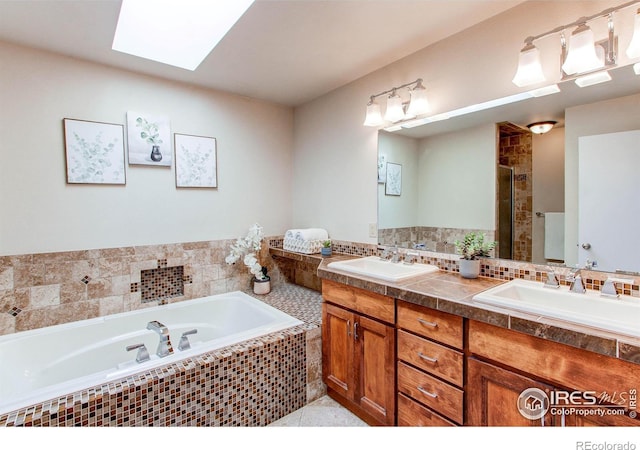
x=164, y=346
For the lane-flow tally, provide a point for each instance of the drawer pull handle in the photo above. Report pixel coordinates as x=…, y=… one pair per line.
x=425, y=392
x=427, y=358
x=426, y=322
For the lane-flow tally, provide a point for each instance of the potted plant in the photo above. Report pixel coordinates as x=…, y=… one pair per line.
x=326, y=248
x=247, y=249
x=470, y=249
x=151, y=133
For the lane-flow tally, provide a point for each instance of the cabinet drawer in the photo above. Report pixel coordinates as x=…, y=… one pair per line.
x=434, y=393
x=431, y=357
x=413, y=414
x=427, y=322
x=365, y=302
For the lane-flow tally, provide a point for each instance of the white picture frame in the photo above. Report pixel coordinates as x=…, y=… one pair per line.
x=94, y=152
x=382, y=168
x=393, y=184
x=149, y=139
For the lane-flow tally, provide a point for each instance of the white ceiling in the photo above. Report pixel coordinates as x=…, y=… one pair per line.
x=283, y=51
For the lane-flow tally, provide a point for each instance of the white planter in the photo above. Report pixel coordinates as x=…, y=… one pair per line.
x=469, y=268
x=261, y=287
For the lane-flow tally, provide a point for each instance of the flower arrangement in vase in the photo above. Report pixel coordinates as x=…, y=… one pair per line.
x=247, y=249
x=472, y=247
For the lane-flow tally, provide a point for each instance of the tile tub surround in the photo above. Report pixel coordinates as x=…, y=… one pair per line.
x=448, y=291
x=248, y=384
x=38, y=290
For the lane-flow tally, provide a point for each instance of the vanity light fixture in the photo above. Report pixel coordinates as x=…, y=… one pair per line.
x=180, y=33
x=633, y=51
x=541, y=127
x=396, y=109
x=584, y=54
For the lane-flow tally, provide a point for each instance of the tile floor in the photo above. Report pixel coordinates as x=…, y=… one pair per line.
x=324, y=412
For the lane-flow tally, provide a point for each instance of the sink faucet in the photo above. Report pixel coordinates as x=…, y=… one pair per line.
x=609, y=287
x=395, y=255
x=411, y=257
x=577, y=284
x=552, y=280
x=164, y=346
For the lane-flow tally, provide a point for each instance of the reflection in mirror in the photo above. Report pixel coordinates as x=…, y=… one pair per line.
x=487, y=172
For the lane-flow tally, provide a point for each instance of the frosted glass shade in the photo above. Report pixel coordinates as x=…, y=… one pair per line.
x=633, y=51
x=374, y=116
x=419, y=103
x=529, y=67
x=394, y=110
x=582, y=56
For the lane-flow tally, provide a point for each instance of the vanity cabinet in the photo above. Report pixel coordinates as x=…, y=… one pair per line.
x=430, y=367
x=504, y=363
x=493, y=397
x=358, y=351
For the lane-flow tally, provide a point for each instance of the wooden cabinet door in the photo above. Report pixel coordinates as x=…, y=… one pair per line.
x=375, y=356
x=338, y=370
x=492, y=397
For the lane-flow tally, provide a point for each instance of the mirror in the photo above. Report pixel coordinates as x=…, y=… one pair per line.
x=451, y=174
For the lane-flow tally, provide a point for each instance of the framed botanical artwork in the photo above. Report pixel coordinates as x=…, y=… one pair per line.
x=393, y=185
x=149, y=139
x=94, y=152
x=196, y=161
x=382, y=168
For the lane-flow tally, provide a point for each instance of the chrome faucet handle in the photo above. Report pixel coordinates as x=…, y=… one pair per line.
x=552, y=280
x=143, y=353
x=184, y=343
x=411, y=257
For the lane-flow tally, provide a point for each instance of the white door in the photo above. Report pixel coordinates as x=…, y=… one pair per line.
x=609, y=200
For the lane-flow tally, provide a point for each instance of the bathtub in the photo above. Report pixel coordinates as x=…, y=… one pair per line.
x=51, y=362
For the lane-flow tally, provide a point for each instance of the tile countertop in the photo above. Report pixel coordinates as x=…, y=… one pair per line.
x=449, y=292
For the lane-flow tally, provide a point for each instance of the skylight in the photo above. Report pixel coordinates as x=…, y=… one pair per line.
x=176, y=32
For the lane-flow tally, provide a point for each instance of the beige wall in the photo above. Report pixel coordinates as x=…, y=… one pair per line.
x=458, y=179
x=39, y=212
x=399, y=211
x=548, y=184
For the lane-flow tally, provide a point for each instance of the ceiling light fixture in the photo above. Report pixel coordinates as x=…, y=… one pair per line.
x=584, y=55
x=396, y=109
x=180, y=33
x=541, y=127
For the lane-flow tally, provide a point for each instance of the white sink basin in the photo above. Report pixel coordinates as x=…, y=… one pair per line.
x=374, y=267
x=620, y=315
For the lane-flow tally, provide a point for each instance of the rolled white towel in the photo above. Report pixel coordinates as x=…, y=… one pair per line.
x=312, y=234
x=292, y=233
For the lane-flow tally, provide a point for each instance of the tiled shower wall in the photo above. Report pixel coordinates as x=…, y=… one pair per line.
x=517, y=151
x=38, y=290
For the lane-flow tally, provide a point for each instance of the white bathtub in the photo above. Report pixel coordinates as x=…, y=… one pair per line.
x=51, y=362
